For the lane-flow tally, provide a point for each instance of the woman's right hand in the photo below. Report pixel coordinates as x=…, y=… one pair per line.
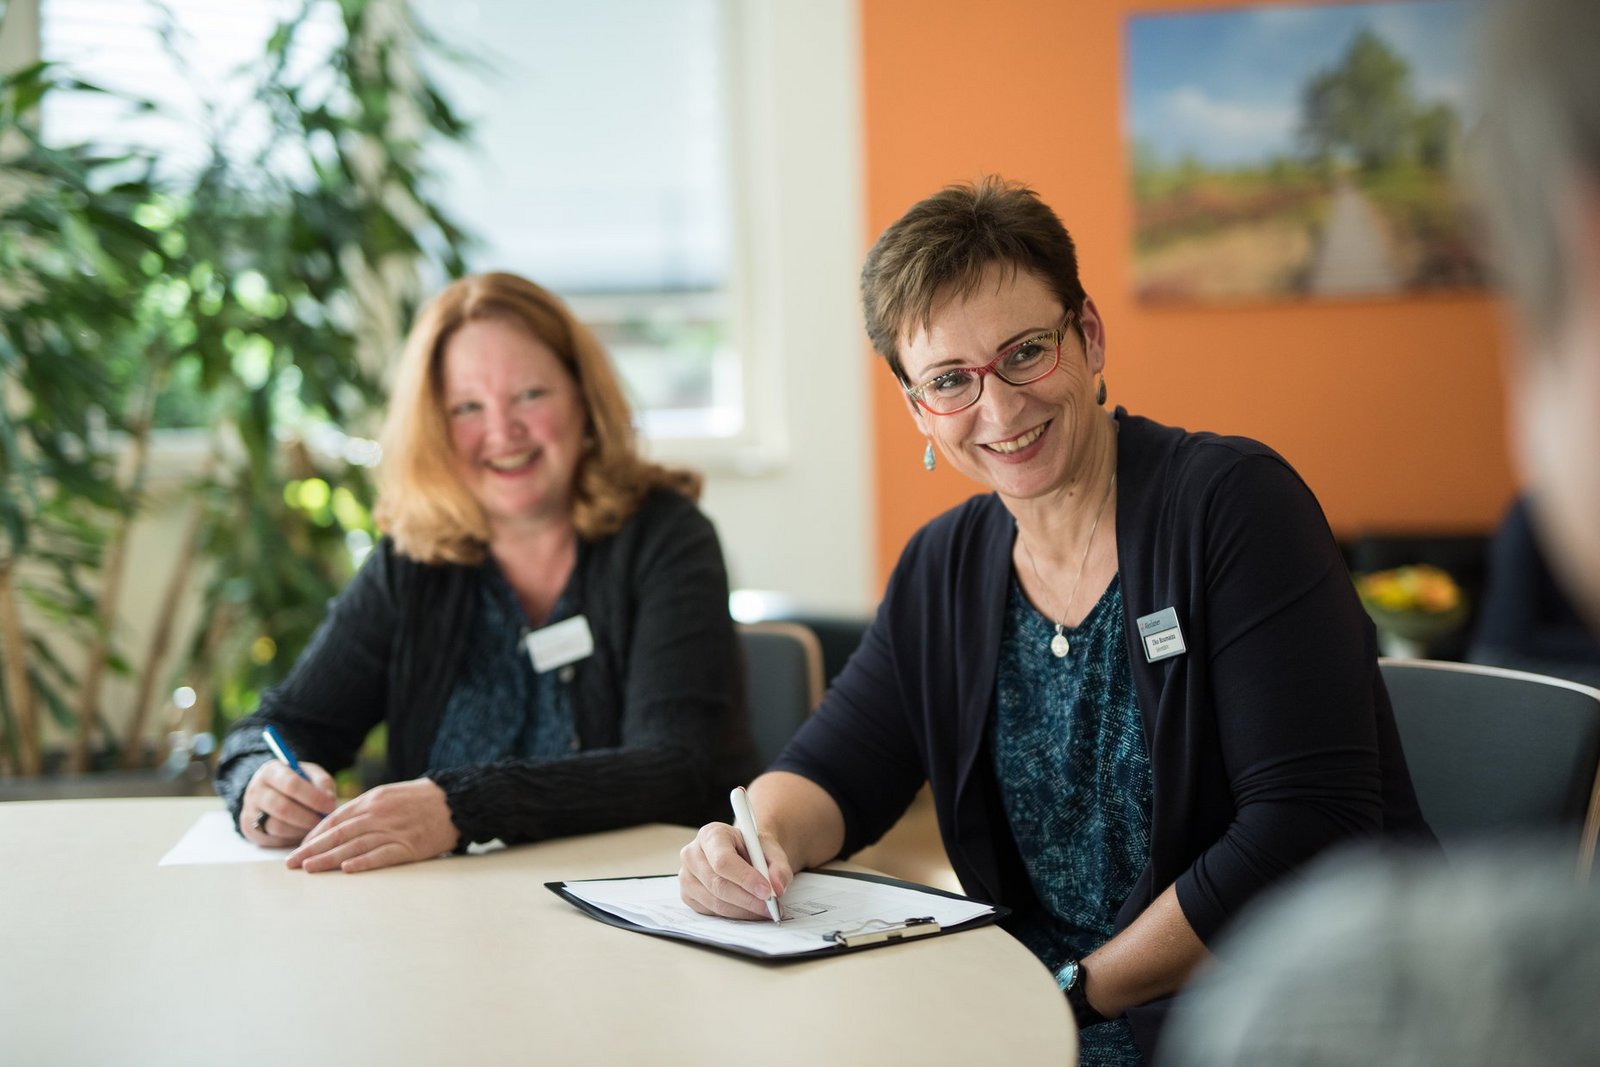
x=293, y=806
x=715, y=876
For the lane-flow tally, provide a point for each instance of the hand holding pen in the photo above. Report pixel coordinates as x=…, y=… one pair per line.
x=722, y=874
x=285, y=799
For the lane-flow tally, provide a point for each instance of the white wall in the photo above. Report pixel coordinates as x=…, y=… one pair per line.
x=801, y=524
x=19, y=34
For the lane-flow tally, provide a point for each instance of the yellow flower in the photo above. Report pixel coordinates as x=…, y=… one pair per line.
x=1416, y=588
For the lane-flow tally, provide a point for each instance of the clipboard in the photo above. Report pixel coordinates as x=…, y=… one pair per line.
x=813, y=936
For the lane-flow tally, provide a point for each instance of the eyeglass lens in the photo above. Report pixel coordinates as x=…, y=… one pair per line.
x=1027, y=362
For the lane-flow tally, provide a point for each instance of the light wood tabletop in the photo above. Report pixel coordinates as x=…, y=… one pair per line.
x=107, y=958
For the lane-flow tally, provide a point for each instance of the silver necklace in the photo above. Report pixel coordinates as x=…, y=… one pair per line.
x=1059, y=645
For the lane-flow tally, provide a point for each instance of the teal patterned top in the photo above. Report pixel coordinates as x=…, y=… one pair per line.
x=1074, y=773
x=500, y=707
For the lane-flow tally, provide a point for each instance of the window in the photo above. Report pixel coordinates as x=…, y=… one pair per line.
x=601, y=169
x=600, y=166
x=792, y=356
x=178, y=55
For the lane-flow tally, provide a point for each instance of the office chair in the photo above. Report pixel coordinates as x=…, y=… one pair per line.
x=839, y=636
x=783, y=665
x=1499, y=754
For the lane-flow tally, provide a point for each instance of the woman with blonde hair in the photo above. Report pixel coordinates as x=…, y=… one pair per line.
x=543, y=628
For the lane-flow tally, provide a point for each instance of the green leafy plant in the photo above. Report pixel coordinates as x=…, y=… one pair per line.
x=259, y=296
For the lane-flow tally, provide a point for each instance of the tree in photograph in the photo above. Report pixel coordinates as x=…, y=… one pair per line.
x=1361, y=111
x=1438, y=133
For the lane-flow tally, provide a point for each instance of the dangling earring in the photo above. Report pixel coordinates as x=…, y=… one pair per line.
x=1100, y=391
x=928, y=460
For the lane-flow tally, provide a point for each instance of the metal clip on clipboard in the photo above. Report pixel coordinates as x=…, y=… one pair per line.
x=876, y=930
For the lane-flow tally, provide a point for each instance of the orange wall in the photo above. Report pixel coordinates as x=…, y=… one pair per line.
x=1390, y=409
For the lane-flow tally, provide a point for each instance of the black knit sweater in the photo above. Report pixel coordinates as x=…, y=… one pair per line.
x=659, y=707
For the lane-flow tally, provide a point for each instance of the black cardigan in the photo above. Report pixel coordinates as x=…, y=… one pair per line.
x=659, y=707
x=1270, y=739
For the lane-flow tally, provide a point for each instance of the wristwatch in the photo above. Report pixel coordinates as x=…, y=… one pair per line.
x=1071, y=978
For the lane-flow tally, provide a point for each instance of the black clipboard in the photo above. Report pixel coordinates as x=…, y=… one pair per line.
x=874, y=935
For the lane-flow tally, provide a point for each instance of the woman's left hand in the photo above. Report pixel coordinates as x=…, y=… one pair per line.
x=391, y=824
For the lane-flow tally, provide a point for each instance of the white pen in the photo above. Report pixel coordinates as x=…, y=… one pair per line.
x=744, y=820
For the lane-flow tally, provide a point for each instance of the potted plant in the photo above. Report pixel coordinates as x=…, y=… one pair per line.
x=258, y=296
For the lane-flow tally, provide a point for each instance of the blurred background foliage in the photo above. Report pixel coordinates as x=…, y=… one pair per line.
x=248, y=307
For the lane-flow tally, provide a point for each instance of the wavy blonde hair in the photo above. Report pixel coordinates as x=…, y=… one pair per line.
x=423, y=505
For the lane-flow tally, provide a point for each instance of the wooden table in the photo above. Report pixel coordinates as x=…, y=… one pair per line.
x=106, y=958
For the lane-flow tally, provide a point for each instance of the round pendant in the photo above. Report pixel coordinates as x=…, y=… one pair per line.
x=1060, y=646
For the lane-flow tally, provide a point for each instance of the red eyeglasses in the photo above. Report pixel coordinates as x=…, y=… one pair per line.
x=1021, y=364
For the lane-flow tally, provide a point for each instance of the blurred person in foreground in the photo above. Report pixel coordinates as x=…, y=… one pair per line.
x=1538, y=156
x=1491, y=960
x=1526, y=620
x=1135, y=672
x=543, y=628
x=1494, y=958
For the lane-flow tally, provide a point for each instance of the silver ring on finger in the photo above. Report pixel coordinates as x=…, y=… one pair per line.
x=261, y=822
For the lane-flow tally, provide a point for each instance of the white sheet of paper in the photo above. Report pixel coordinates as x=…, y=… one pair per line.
x=814, y=905
x=212, y=839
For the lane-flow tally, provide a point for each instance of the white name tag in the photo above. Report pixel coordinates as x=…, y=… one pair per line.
x=1161, y=635
x=560, y=644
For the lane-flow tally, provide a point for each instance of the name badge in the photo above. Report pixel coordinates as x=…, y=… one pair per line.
x=560, y=644
x=1161, y=635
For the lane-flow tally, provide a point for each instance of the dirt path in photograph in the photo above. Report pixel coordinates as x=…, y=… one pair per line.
x=1353, y=257
x=1246, y=261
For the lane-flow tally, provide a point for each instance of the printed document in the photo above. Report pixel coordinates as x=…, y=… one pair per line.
x=815, y=907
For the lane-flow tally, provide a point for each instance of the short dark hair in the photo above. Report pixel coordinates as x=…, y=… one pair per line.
x=1540, y=132
x=943, y=246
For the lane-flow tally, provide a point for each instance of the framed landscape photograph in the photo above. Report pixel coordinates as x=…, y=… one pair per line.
x=1284, y=152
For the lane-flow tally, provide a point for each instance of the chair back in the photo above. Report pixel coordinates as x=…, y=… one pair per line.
x=783, y=670
x=1498, y=753
x=839, y=636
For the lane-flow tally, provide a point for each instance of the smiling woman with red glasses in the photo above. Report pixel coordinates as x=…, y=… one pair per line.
x=543, y=629
x=1135, y=671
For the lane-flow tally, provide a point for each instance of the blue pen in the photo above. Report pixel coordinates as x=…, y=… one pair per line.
x=281, y=750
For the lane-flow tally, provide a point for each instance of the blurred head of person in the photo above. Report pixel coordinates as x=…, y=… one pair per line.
x=1406, y=960
x=1538, y=162
x=506, y=413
